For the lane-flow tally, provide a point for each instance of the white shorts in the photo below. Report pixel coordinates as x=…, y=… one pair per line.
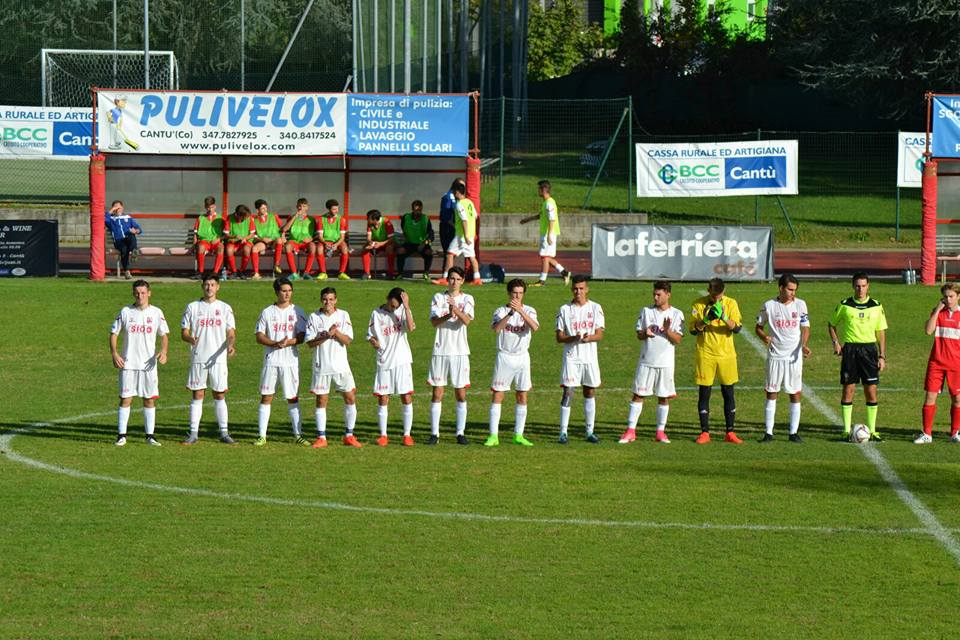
x=459, y=247
x=548, y=250
x=654, y=381
x=576, y=374
x=393, y=382
x=272, y=377
x=200, y=376
x=455, y=369
x=342, y=383
x=139, y=383
x=781, y=371
x=511, y=368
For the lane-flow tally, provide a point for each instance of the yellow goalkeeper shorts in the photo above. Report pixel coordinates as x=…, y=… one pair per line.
x=708, y=368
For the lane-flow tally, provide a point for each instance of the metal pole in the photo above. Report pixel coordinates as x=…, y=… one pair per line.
x=114, y=43
x=406, y=46
x=243, y=39
x=897, y=232
x=423, y=49
x=146, y=44
x=376, y=46
x=464, y=12
x=439, y=42
x=363, y=60
x=451, y=43
x=503, y=111
x=756, y=201
x=503, y=35
x=353, y=24
x=483, y=49
x=603, y=161
x=393, y=46
x=294, y=37
x=630, y=152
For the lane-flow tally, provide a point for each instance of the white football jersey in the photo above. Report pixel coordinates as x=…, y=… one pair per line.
x=140, y=328
x=451, y=336
x=331, y=356
x=515, y=336
x=208, y=323
x=390, y=330
x=580, y=320
x=785, y=321
x=277, y=324
x=657, y=351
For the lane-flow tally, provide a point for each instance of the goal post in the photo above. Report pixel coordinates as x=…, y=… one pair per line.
x=66, y=75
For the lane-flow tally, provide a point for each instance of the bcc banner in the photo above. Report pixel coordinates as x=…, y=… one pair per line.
x=712, y=169
x=43, y=132
x=681, y=252
x=29, y=248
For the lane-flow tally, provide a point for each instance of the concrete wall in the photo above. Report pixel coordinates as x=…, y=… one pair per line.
x=74, y=223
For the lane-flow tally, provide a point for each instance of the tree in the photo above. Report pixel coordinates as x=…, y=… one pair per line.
x=559, y=39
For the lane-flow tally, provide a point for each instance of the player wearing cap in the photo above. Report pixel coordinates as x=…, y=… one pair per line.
x=660, y=328
x=387, y=333
x=298, y=233
x=208, y=236
x=280, y=328
x=267, y=234
x=943, y=366
x=580, y=326
x=514, y=324
x=450, y=313
x=139, y=323
x=208, y=326
x=858, y=327
x=789, y=331
x=549, y=217
x=330, y=332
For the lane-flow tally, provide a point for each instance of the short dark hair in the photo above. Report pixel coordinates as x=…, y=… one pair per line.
x=396, y=294
x=415, y=204
x=544, y=184
x=516, y=282
x=457, y=270
x=459, y=187
x=716, y=285
x=209, y=275
x=241, y=210
x=788, y=278
x=301, y=202
x=258, y=203
x=209, y=200
x=860, y=275
x=116, y=202
x=456, y=181
x=329, y=204
x=662, y=285
x=279, y=282
x=578, y=278
x=374, y=214
x=140, y=283
x=327, y=290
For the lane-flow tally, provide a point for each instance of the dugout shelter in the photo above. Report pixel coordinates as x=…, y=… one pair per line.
x=940, y=221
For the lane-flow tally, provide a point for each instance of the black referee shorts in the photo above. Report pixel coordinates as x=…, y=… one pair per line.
x=859, y=362
x=447, y=233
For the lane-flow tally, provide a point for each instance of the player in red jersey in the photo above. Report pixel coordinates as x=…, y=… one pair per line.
x=943, y=368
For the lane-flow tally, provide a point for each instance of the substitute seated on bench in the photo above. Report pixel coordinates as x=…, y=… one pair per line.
x=124, y=230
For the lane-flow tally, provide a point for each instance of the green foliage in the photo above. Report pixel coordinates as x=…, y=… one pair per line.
x=559, y=40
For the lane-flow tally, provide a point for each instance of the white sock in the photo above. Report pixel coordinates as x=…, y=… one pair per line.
x=461, y=418
x=321, y=415
x=794, y=417
x=495, y=418
x=634, y=415
x=196, y=412
x=223, y=417
x=769, y=415
x=559, y=268
x=349, y=417
x=383, y=412
x=476, y=275
x=520, y=419
x=149, y=420
x=293, y=408
x=407, y=418
x=263, y=419
x=589, y=413
x=543, y=276
x=663, y=410
x=435, y=417
x=123, y=417
x=564, y=419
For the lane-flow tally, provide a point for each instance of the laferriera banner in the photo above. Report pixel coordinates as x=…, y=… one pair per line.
x=45, y=132
x=764, y=167
x=274, y=124
x=910, y=148
x=945, y=126
x=681, y=252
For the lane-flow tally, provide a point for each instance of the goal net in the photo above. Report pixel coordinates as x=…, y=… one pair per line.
x=68, y=74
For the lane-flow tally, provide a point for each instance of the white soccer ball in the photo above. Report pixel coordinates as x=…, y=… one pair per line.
x=859, y=433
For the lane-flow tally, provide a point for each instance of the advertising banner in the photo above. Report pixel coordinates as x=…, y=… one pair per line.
x=402, y=125
x=945, y=127
x=681, y=252
x=711, y=169
x=221, y=123
x=46, y=132
x=29, y=248
x=910, y=148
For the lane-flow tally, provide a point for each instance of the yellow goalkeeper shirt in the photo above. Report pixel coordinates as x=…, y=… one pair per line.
x=716, y=338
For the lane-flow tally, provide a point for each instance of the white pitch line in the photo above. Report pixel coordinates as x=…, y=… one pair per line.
x=10, y=454
x=930, y=522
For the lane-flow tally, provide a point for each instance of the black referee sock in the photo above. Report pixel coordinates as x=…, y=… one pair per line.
x=703, y=407
x=729, y=405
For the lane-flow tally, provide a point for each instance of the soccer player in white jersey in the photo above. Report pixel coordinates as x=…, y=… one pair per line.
x=140, y=324
x=208, y=326
x=280, y=329
x=514, y=324
x=580, y=326
x=387, y=333
x=330, y=332
x=660, y=328
x=789, y=330
x=450, y=312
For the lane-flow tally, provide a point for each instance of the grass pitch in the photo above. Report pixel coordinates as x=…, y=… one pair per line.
x=586, y=541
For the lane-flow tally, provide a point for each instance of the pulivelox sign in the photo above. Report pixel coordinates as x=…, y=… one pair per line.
x=680, y=252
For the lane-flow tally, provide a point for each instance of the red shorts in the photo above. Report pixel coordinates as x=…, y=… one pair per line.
x=936, y=375
x=240, y=243
x=290, y=245
x=206, y=246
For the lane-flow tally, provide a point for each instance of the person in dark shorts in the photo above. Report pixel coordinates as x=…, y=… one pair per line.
x=448, y=216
